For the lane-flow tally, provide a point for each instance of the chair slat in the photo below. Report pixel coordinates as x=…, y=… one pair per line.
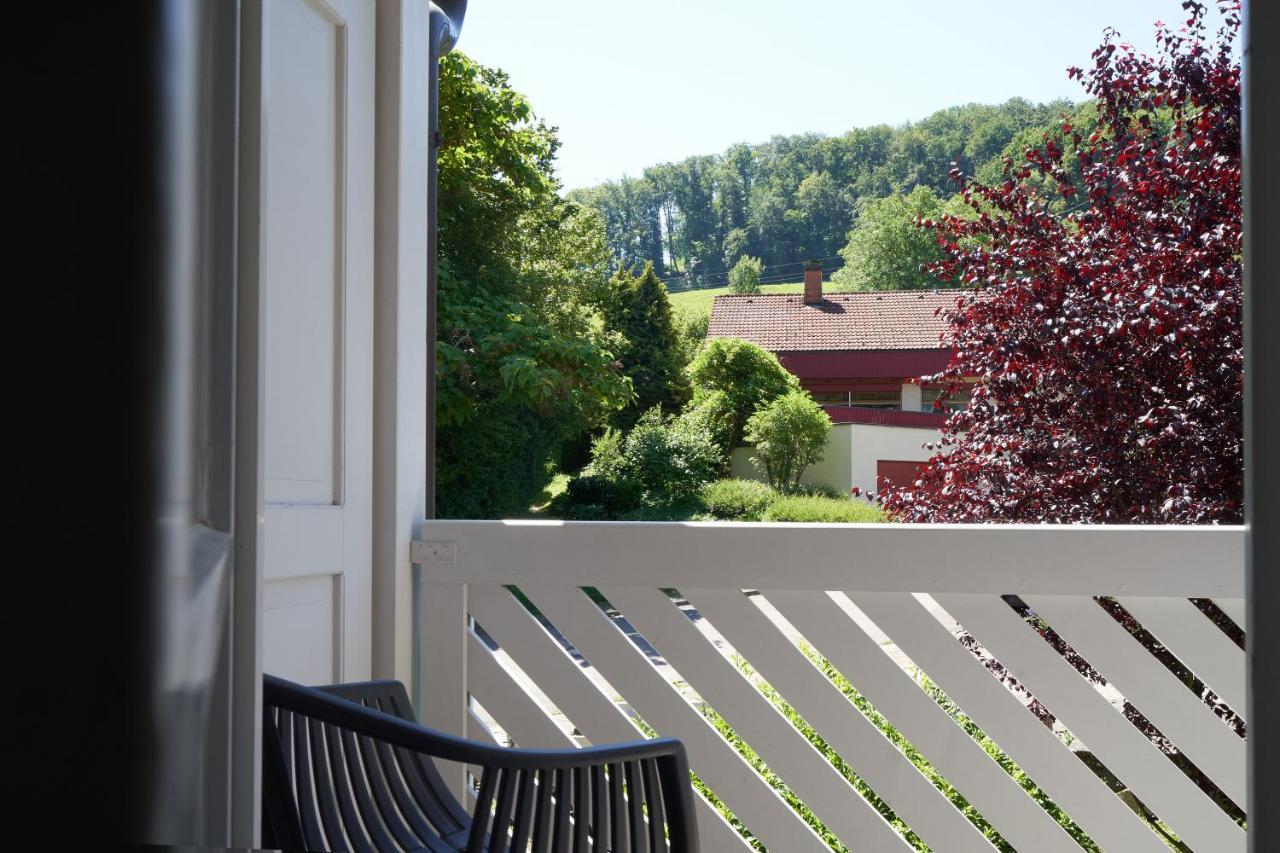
x=543, y=818
x=380, y=788
x=618, y=810
x=307, y=809
x=285, y=725
x=635, y=802
x=523, y=822
x=582, y=808
x=410, y=807
x=443, y=810
x=600, y=809
x=322, y=774
x=657, y=815
x=561, y=839
x=369, y=814
x=484, y=802
x=357, y=836
x=499, y=835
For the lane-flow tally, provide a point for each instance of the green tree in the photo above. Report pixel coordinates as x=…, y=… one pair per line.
x=637, y=311
x=789, y=435
x=886, y=249
x=519, y=364
x=745, y=275
x=735, y=377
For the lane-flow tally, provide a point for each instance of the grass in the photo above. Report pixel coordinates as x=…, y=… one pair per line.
x=699, y=301
x=558, y=484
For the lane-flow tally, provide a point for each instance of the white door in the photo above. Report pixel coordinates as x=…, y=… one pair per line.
x=315, y=271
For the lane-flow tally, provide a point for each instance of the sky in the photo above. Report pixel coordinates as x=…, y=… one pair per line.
x=631, y=83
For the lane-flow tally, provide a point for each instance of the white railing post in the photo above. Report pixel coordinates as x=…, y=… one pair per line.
x=443, y=692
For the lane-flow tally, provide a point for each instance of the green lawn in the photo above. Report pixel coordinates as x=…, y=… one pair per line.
x=699, y=301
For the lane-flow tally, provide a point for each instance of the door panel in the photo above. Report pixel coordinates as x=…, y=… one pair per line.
x=315, y=264
x=303, y=176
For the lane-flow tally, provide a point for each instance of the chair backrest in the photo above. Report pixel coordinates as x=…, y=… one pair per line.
x=328, y=788
x=338, y=776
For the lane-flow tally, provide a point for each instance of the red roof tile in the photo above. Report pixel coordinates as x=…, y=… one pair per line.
x=883, y=320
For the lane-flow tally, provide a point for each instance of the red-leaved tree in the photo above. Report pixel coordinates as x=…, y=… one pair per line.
x=1107, y=341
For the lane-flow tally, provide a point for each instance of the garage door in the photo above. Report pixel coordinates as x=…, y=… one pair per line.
x=895, y=472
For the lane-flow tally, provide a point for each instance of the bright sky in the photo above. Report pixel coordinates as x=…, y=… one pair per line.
x=631, y=83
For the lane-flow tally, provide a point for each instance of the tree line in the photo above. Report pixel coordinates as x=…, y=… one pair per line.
x=796, y=197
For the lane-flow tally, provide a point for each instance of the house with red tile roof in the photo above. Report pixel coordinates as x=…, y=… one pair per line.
x=861, y=356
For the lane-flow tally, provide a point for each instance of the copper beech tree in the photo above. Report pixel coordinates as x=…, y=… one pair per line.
x=1106, y=338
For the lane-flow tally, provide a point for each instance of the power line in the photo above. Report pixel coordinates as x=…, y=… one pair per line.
x=725, y=274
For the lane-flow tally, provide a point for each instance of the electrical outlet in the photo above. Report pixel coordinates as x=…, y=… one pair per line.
x=435, y=553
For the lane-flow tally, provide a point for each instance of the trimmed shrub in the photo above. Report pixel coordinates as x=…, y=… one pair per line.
x=671, y=459
x=789, y=435
x=830, y=510
x=749, y=377
x=737, y=500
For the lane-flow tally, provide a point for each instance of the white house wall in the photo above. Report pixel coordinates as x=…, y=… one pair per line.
x=851, y=455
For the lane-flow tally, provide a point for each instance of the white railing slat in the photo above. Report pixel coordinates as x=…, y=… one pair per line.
x=1234, y=608
x=998, y=559
x=1113, y=739
x=1150, y=686
x=787, y=752
x=855, y=738
x=1090, y=803
x=513, y=709
x=592, y=713
x=939, y=738
x=745, y=793
x=1202, y=646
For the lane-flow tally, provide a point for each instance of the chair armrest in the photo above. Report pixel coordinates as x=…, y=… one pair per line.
x=417, y=738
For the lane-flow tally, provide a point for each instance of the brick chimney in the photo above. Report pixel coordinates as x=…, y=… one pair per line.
x=812, y=282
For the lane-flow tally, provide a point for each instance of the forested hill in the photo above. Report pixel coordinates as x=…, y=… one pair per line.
x=796, y=197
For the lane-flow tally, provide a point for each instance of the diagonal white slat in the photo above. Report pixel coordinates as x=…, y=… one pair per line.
x=1065, y=778
x=787, y=752
x=897, y=696
x=746, y=794
x=1112, y=738
x=563, y=680
x=513, y=709
x=477, y=729
x=855, y=738
x=1192, y=637
x=1155, y=691
x=1234, y=608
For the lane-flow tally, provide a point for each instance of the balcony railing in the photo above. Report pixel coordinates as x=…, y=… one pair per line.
x=874, y=686
x=885, y=417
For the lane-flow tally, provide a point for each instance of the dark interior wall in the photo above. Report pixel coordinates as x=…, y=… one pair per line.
x=1262, y=413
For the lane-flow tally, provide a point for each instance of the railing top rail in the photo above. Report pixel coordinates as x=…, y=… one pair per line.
x=1154, y=560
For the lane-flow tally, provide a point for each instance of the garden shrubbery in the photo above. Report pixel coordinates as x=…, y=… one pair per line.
x=816, y=508
x=737, y=500
x=672, y=467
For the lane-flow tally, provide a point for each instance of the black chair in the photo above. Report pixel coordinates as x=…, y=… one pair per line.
x=346, y=767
